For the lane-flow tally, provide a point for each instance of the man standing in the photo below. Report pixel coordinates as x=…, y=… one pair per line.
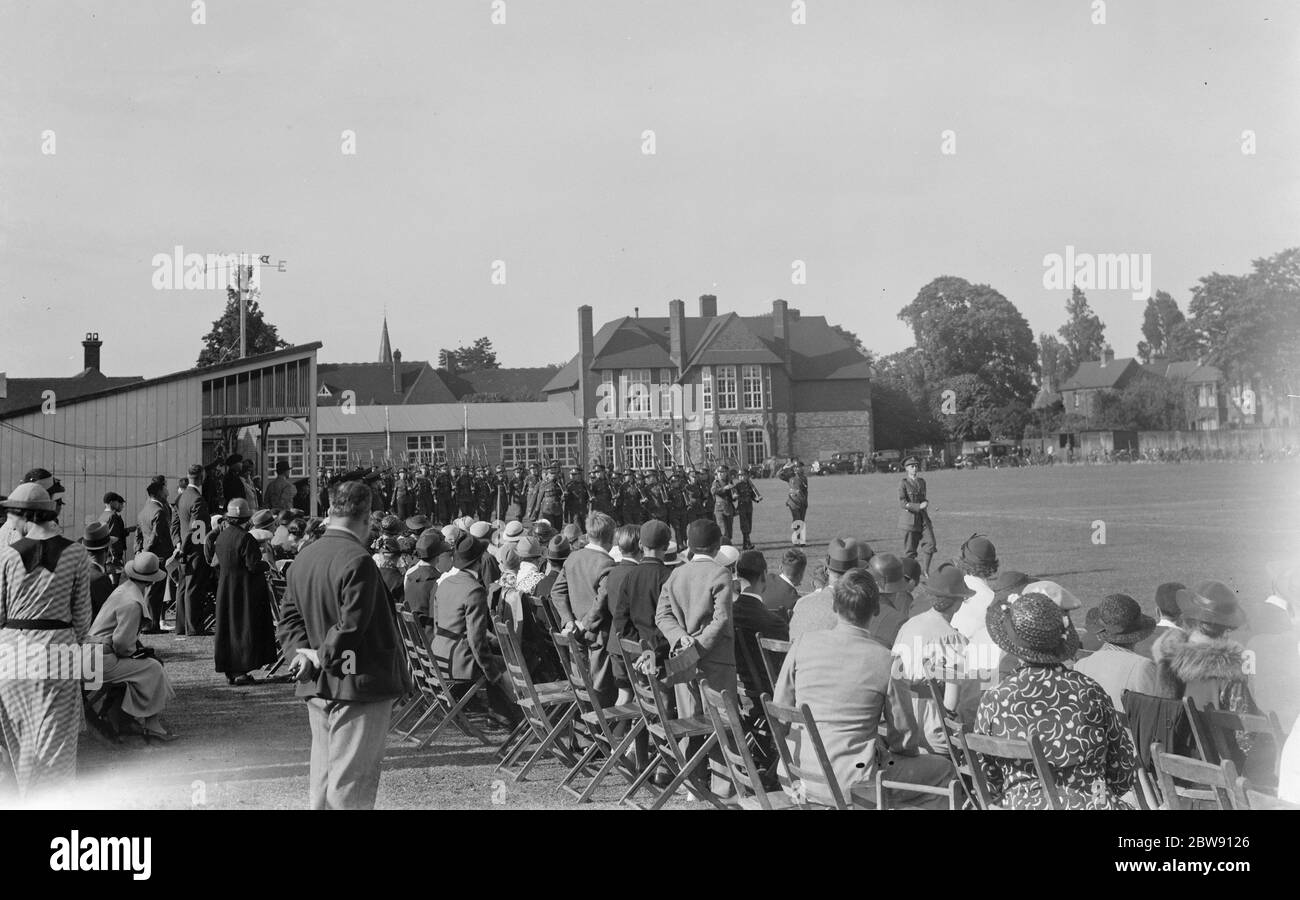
x=654, y=499
x=550, y=497
x=443, y=490
x=679, y=501
x=532, y=492
x=423, y=493
x=629, y=500
x=232, y=485
x=517, y=496
x=500, y=494
x=337, y=619
x=251, y=492
x=915, y=517
x=403, y=495
x=484, y=494
x=280, y=492
x=724, y=506
x=112, y=517
x=464, y=483
x=192, y=518
x=154, y=535
x=746, y=496
x=602, y=495
x=797, y=501
x=580, y=588
x=575, y=498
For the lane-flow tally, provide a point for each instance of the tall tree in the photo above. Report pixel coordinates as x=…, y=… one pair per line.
x=1160, y=319
x=854, y=341
x=1083, y=333
x=1053, y=360
x=222, y=342
x=478, y=355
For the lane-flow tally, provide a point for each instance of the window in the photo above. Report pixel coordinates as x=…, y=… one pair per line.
x=664, y=393
x=561, y=446
x=706, y=379
x=426, y=449
x=333, y=452
x=606, y=402
x=1076, y=399
x=639, y=446
x=635, y=388
x=730, y=439
x=1206, y=397
x=519, y=448
x=726, y=376
x=753, y=386
x=708, y=446
x=755, y=446
x=610, y=453
x=289, y=449
x=670, y=447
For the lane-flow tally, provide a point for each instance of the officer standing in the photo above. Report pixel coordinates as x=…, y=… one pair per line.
x=575, y=499
x=745, y=496
x=516, y=496
x=918, y=532
x=550, y=501
x=724, y=504
x=464, y=482
x=654, y=499
x=601, y=492
x=797, y=501
x=679, y=504
x=442, y=496
x=532, y=492
x=630, y=500
x=484, y=494
x=700, y=498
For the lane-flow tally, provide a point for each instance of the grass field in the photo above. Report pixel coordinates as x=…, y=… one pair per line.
x=248, y=747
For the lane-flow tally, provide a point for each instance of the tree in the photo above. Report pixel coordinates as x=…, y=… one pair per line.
x=478, y=355
x=1053, y=360
x=897, y=421
x=222, y=342
x=1083, y=333
x=1159, y=321
x=854, y=341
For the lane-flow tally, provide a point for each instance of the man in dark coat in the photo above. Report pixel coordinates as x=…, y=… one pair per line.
x=517, y=496
x=796, y=501
x=746, y=495
x=782, y=592
x=575, y=499
x=724, y=505
x=600, y=492
x=463, y=480
x=154, y=524
x=245, y=633
x=550, y=497
x=192, y=523
x=914, y=519
x=443, y=491
x=232, y=485
x=112, y=518
x=581, y=587
x=351, y=666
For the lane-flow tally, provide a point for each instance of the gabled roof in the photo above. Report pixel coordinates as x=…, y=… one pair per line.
x=1188, y=371
x=373, y=383
x=437, y=417
x=21, y=393
x=1092, y=375
x=519, y=385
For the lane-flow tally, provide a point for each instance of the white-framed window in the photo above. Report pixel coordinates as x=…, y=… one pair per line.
x=755, y=446
x=670, y=447
x=426, y=449
x=606, y=400
x=635, y=390
x=664, y=393
x=609, y=450
x=706, y=383
x=1076, y=399
x=752, y=384
x=639, y=447
x=725, y=376
x=289, y=449
x=519, y=448
x=1205, y=396
x=708, y=445
x=333, y=452
x=729, y=442
x=560, y=446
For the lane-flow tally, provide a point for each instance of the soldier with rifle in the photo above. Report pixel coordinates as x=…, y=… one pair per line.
x=516, y=496
x=679, y=504
x=654, y=497
x=484, y=494
x=464, y=484
x=724, y=504
x=423, y=492
x=575, y=499
x=442, y=496
x=745, y=495
x=600, y=491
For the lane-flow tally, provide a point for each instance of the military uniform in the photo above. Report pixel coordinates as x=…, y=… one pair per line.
x=796, y=502
x=698, y=492
x=404, y=497
x=484, y=495
x=442, y=496
x=746, y=495
x=516, y=496
x=532, y=493
x=464, y=483
x=724, y=505
x=550, y=498
x=575, y=499
x=918, y=532
x=679, y=503
x=629, y=503
x=601, y=493
x=654, y=499
x=424, y=495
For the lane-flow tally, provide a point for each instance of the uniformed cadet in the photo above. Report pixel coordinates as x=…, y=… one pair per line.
x=601, y=492
x=654, y=497
x=796, y=501
x=745, y=495
x=575, y=498
x=517, y=496
x=550, y=497
x=679, y=503
x=918, y=532
x=724, y=505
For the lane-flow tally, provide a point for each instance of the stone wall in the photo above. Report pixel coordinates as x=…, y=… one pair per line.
x=819, y=433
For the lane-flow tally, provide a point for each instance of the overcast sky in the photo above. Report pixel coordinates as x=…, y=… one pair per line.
x=523, y=143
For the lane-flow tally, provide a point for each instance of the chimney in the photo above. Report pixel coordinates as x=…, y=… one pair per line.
x=677, y=332
x=636, y=312
x=781, y=328
x=397, y=372
x=586, y=356
x=92, y=343
x=708, y=306
x=1107, y=355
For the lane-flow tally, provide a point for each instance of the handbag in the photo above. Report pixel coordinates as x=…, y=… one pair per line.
x=683, y=665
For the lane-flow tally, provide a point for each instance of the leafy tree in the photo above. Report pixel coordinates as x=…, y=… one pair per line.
x=1159, y=320
x=854, y=341
x=222, y=342
x=897, y=421
x=1083, y=333
x=1053, y=360
x=478, y=355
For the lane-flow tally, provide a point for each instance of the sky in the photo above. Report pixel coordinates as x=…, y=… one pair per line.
x=522, y=142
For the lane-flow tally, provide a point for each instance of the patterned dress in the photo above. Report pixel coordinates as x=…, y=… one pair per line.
x=40, y=717
x=1089, y=752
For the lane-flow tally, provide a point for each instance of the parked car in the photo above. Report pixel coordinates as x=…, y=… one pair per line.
x=887, y=461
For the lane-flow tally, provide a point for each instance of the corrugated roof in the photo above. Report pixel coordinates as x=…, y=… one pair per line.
x=433, y=417
x=21, y=393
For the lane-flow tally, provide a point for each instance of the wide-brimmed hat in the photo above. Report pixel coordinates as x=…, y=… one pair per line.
x=1064, y=600
x=113, y=497
x=467, y=551
x=430, y=544
x=144, y=567
x=1212, y=602
x=946, y=583
x=1119, y=620
x=528, y=547
x=979, y=549
x=464, y=523
x=482, y=530
x=238, y=508
x=1029, y=626
x=513, y=531
x=558, y=549
x=261, y=518
x=842, y=554
x=417, y=523
x=97, y=536
x=29, y=496
x=887, y=571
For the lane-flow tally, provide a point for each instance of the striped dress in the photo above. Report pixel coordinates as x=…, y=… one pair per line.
x=40, y=717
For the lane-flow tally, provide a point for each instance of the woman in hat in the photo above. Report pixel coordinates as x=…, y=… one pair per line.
x=245, y=635
x=1086, y=747
x=98, y=540
x=44, y=604
x=117, y=628
x=1118, y=623
x=391, y=570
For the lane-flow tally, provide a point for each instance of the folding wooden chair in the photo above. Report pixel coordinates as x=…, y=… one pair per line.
x=723, y=710
x=597, y=723
x=817, y=771
x=666, y=736
x=1220, y=779
x=276, y=586
x=1197, y=738
x=1030, y=750
x=773, y=652
x=957, y=752
x=434, y=696
x=1224, y=725
x=1249, y=798
x=1144, y=790
x=546, y=715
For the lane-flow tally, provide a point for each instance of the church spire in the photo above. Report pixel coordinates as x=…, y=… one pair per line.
x=385, y=349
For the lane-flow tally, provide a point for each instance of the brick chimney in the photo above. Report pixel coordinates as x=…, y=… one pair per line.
x=92, y=343
x=677, y=332
x=1107, y=355
x=781, y=329
x=708, y=306
x=586, y=355
x=397, y=372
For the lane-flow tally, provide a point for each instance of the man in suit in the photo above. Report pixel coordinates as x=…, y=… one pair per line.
x=914, y=520
x=816, y=611
x=724, y=503
x=580, y=588
x=781, y=593
x=338, y=625
x=232, y=484
x=279, y=493
x=1167, y=608
x=154, y=523
x=192, y=518
x=597, y=624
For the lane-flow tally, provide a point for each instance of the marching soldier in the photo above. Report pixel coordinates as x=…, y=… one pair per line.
x=424, y=492
x=701, y=498
x=679, y=503
x=724, y=506
x=550, y=496
x=654, y=498
x=575, y=499
x=533, y=492
x=629, y=500
x=915, y=517
x=601, y=492
x=797, y=501
x=464, y=484
x=484, y=494
x=442, y=495
x=745, y=496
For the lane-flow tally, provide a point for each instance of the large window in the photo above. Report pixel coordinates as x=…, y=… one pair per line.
x=665, y=393
x=639, y=447
x=670, y=448
x=755, y=446
x=606, y=402
x=635, y=391
x=289, y=449
x=725, y=377
x=426, y=449
x=752, y=377
x=524, y=447
x=708, y=445
x=561, y=446
x=1205, y=396
x=706, y=382
x=333, y=452
x=610, y=453
x=730, y=439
